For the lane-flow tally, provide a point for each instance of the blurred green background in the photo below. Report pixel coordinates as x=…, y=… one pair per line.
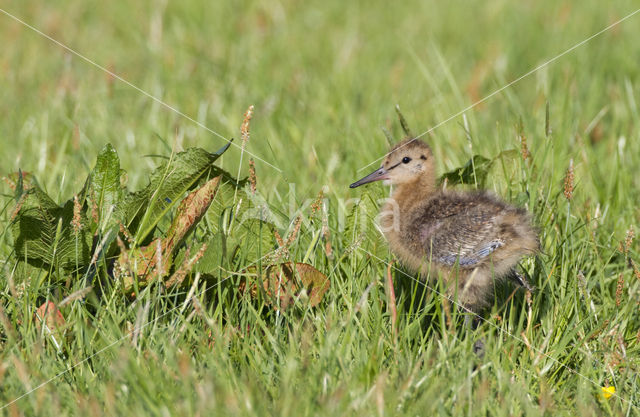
x=323, y=76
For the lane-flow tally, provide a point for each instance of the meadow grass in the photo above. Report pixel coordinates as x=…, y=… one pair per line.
x=324, y=77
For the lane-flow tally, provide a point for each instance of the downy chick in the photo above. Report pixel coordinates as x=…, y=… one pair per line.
x=470, y=240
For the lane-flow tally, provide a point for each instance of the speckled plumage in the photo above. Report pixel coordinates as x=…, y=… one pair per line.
x=467, y=239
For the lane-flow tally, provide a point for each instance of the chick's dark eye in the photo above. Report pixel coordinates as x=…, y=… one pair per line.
x=406, y=160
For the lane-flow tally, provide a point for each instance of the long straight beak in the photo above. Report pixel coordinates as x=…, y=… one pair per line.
x=377, y=175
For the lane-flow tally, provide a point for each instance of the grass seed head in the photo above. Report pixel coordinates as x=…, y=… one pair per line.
x=278, y=238
x=628, y=239
x=76, y=222
x=294, y=232
x=253, y=179
x=18, y=207
x=317, y=203
x=524, y=149
x=582, y=284
x=94, y=207
x=636, y=271
x=619, y=289
x=126, y=234
x=568, y=182
x=10, y=183
x=244, y=129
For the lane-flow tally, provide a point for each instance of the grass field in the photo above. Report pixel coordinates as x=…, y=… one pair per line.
x=324, y=77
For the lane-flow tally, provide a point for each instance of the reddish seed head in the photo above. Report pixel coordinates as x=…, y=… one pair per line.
x=568, y=182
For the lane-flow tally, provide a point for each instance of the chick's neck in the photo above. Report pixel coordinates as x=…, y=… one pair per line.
x=409, y=194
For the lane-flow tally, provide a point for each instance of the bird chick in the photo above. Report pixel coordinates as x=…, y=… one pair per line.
x=469, y=240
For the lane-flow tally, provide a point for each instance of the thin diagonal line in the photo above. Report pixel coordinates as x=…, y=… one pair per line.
x=119, y=78
x=53, y=378
x=499, y=328
x=579, y=44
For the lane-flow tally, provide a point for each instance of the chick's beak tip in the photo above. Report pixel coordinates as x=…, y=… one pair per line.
x=377, y=175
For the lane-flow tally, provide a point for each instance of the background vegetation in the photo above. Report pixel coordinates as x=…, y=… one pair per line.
x=324, y=77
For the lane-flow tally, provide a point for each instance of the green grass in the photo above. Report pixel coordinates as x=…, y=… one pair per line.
x=324, y=77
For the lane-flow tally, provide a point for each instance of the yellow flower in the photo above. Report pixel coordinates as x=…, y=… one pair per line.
x=608, y=391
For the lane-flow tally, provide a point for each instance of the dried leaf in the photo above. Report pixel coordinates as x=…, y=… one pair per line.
x=146, y=263
x=284, y=282
x=190, y=212
x=49, y=315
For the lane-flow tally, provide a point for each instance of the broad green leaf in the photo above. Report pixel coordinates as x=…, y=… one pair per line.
x=235, y=227
x=169, y=182
x=223, y=209
x=248, y=243
x=252, y=238
x=476, y=170
x=44, y=233
x=105, y=192
x=213, y=258
x=473, y=172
